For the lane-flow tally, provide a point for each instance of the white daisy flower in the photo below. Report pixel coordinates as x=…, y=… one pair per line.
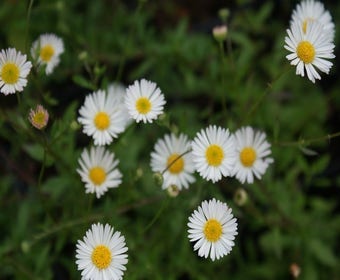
x=253, y=151
x=118, y=92
x=144, y=101
x=310, y=10
x=213, y=228
x=99, y=170
x=14, y=68
x=172, y=158
x=101, y=255
x=309, y=50
x=102, y=117
x=46, y=50
x=214, y=154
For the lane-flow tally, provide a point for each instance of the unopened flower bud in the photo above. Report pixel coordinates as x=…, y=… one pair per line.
x=223, y=14
x=25, y=246
x=220, y=33
x=173, y=190
x=295, y=270
x=158, y=177
x=240, y=197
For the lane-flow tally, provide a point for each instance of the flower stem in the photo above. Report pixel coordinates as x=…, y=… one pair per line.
x=28, y=18
x=177, y=158
x=127, y=43
x=308, y=141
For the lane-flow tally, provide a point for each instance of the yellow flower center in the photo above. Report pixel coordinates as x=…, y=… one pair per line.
x=214, y=155
x=46, y=53
x=175, y=163
x=102, y=121
x=39, y=119
x=248, y=156
x=101, y=257
x=212, y=230
x=143, y=105
x=10, y=73
x=305, y=51
x=97, y=175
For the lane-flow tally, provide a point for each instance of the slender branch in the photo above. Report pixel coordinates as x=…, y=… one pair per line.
x=308, y=141
x=176, y=159
x=127, y=43
x=28, y=18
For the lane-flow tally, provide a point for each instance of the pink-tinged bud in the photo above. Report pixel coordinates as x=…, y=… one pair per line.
x=220, y=32
x=38, y=117
x=295, y=270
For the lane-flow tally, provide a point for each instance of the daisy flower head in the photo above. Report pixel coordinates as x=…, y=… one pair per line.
x=98, y=170
x=309, y=50
x=252, y=154
x=310, y=10
x=46, y=50
x=102, y=117
x=144, y=101
x=14, y=69
x=214, y=154
x=118, y=93
x=213, y=229
x=102, y=254
x=172, y=158
x=38, y=117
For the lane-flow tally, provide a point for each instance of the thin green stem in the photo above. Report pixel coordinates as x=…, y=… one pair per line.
x=223, y=67
x=160, y=211
x=261, y=98
x=28, y=19
x=308, y=141
x=43, y=164
x=176, y=159
x=127, y=43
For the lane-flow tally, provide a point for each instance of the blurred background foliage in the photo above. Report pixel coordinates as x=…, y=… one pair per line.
x=291, y=218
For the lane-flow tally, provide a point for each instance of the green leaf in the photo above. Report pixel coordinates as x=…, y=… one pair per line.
x=81, y=81
x=36, y=151
x=323, y=253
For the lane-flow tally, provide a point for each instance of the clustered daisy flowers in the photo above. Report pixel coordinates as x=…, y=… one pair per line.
x=310, y=39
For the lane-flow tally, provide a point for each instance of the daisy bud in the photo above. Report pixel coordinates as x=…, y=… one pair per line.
x=158, y=178
x=38, y=117
x=240, y=197
x=220, y=33
x=223, y=14
x=173, y=190
x=295, y=270
x=25, y=246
